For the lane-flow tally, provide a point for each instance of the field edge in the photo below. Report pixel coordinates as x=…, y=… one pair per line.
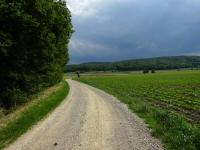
x=33, y=113
x=171, y=128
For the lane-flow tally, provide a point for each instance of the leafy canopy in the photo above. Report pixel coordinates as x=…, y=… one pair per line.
x=34, y=37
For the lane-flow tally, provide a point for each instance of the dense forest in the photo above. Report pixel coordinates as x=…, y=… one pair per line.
x=159, y=63
x=34, y=37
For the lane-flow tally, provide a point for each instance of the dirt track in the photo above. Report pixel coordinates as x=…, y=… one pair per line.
x=88, y=119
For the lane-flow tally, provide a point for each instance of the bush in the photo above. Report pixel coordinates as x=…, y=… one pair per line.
x=145, y=71
x=153, y=71
x=13, y=97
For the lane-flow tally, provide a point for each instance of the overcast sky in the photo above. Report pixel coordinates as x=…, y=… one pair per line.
x=110, y=30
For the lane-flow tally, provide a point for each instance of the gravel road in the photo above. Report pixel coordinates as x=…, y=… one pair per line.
x=89, y=119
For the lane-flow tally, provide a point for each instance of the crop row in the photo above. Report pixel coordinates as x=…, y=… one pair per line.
x=178, y=91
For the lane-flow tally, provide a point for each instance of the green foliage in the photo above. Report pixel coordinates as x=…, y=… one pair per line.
x=160, y=63
x=34, y=36
x=169, y=103
x=32, y=115
x=177, y=91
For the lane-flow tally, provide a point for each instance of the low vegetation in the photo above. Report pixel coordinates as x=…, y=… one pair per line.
x=20, y=120
x=168, y=101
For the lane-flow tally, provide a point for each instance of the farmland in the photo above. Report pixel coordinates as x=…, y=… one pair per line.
x=168, y=101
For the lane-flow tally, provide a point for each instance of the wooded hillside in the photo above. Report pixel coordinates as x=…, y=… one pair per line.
x=159, y=63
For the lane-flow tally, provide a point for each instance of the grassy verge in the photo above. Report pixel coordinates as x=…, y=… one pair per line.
x=172, y=127
x=21, y=120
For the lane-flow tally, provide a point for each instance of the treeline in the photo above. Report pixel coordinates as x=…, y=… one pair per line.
x=159, y=63
x=34, y=37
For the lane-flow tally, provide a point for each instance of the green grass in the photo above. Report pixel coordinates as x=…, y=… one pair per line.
x=33, y=113
x=168, y=101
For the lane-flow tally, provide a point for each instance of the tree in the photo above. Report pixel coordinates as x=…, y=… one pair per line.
x=34, y=37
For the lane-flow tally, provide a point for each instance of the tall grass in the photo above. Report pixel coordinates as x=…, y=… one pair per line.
x=173, y=129
x=32, y=115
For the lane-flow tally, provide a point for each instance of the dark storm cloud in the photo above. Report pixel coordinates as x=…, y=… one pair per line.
x=124, y=29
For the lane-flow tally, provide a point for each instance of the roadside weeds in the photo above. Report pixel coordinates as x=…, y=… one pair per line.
x=21, y=120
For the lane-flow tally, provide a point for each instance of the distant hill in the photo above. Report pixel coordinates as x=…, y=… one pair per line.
x=158, y=63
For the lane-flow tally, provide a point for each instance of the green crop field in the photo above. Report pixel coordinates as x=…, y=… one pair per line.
x=174, y=93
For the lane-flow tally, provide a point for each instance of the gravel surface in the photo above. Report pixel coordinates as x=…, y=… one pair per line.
x=89, y=119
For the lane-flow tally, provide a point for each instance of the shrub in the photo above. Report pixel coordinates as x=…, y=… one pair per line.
x=145, y=71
